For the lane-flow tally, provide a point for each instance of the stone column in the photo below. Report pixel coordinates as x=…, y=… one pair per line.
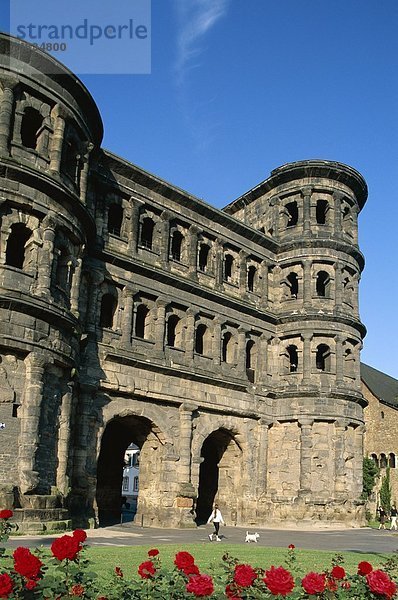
x=307, y=284
x=273, y=366
x=306, y=193
x=305, y=456
x=337, y=196
x=75, y=287
x=339, y=360
x=6, y=109
x=190, y=334
x=133, y=226
x=355, y=285
x=354, y=213
x=358, y=461
x=46, y=257
x=128, y=305
x=262, y=460
x=307, y=358
x=241, y=358
x=165, y=239
x=64, y=432
x=264, y=281
x=184, y=470
x=160, y=324
x=83, y=438
x=242, y=272
x=57, y=139
x=218, y=264
x=193, y=251
x=85, y=171
x=216, y=342
x=340, y=484
x=30, y=419
x=96, y=278
x=262, y=358
x=338, y=285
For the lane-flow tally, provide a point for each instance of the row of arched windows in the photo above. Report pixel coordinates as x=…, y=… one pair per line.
x=291, y=213
x=384, y=460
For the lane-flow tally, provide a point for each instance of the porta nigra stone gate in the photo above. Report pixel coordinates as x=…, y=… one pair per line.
x=225, y=344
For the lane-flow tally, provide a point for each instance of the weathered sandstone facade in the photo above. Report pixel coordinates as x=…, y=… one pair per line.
x=225, y=344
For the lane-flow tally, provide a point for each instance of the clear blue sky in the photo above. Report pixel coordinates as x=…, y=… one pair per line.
x=238, y=88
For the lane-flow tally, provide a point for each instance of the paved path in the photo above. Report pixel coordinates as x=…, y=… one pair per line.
x=357, y=540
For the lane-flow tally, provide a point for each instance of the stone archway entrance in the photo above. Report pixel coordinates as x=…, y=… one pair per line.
x=219, y=475
x=118, y=435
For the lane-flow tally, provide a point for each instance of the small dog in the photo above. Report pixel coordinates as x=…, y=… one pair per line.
x=251, y=537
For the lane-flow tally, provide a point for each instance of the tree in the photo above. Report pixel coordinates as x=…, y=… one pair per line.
x=370, y=472
x=385, y=491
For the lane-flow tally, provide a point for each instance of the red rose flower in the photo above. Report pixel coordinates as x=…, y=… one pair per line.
x=183, y=559
x=65, y=547
x=31, y=584
x=279, y=581
x=153, y=552
x=338, y=572
x=232, y=592
x=364, y=568
x=200, y=585
x=331, y=584
x=244, y=575
x=119, y=572
x=26, y=563
x=6, y=514
x=146, y=570
x=380, y=583
x=191, y=570
x=291, y=546
x=80, y=535
x=314, y=583
x=6, y=585
x=77, y=590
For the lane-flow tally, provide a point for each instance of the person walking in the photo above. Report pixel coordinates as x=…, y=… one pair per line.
x=382, y=517
x=394, y=515
x=216, y=519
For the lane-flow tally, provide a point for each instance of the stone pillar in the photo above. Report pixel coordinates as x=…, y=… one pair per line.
x=242, y=272
x=307, y=357
x=46, y=257
x=306, y=193
x=128, y=306
x=339, y=360
x=160, y=324
x=358, y=461
x=273, y=366
x=307, y=284
x=216, y=345
x=264, y=280
x=218, y=264
x=84, y=435
x=84, y=172
x=355, y=212
x=64, y=432
x=193, y=251
x=262, y=460
x=355, y=285
x=164, y=239
x=6, y=109
x=30, y=420
x=75, y=287
x=241, y=358
x=133, y=226
x=262, y=358
x=337, y=196
x=96, y=278
x=305, y=456
x=58, y=139
x=190, y=334
x=340, y=484
x=184, y=467
x=338, y=285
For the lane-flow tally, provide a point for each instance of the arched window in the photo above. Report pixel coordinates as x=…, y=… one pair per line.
x=228, y=267
x=293, y=358
x=321, y=211
x=172, y=333
x=250, y=372
x=251, y=276
x=200, y=335
x=292, y=283
x=383, y=461
x=226, y=351
x=322, y=284
x=176, y=245
x=292, y=214
x=115, y=219
x=147, y=227
x=391, y=460
x=141, y=319
x=108, y=308
x=323, y=357
x=203, y=257
x=32, y=122
x=62, y=271
x=375, y=459
x=15, y=251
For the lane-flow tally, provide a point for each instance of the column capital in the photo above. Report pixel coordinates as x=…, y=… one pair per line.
x=60, y=111
x=188, y=407
x=38, y=360
x=161, y=303
x=341, y=423
x=337, y=195
x=306, y=336
x=8, y=82
x=305, y=422
x=307, y=190
x=266, y=423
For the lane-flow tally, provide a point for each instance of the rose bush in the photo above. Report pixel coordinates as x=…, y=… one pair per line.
x=26, y=575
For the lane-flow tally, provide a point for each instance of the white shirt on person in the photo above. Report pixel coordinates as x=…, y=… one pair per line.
x=216, y=517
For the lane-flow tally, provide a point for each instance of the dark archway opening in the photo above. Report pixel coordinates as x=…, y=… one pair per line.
x=213, y=449
x=110, y=494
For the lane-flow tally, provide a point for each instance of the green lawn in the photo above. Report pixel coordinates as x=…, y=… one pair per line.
x=105, y=559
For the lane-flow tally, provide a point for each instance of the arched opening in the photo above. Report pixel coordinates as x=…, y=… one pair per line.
x=203, y=257
x=141, y=322
x=70, y=159
x=292, y=284
x=250, y=360
x=202, y=340
x=32, y=122
x=228, y=267
x=176, y=245
x=375, y=459
x=220, y=454
x=147, y=228
x=293, y=358
x=292, y=214
x=251, y=276
x=321, y=211
x=322, y=284
x=173, y=331
x=383, y=461
x=113, y=491
x=15, y=251
x=108, y=309
x=323, y=358
x=62, y=271
x=227, y=348
x=115, y=219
